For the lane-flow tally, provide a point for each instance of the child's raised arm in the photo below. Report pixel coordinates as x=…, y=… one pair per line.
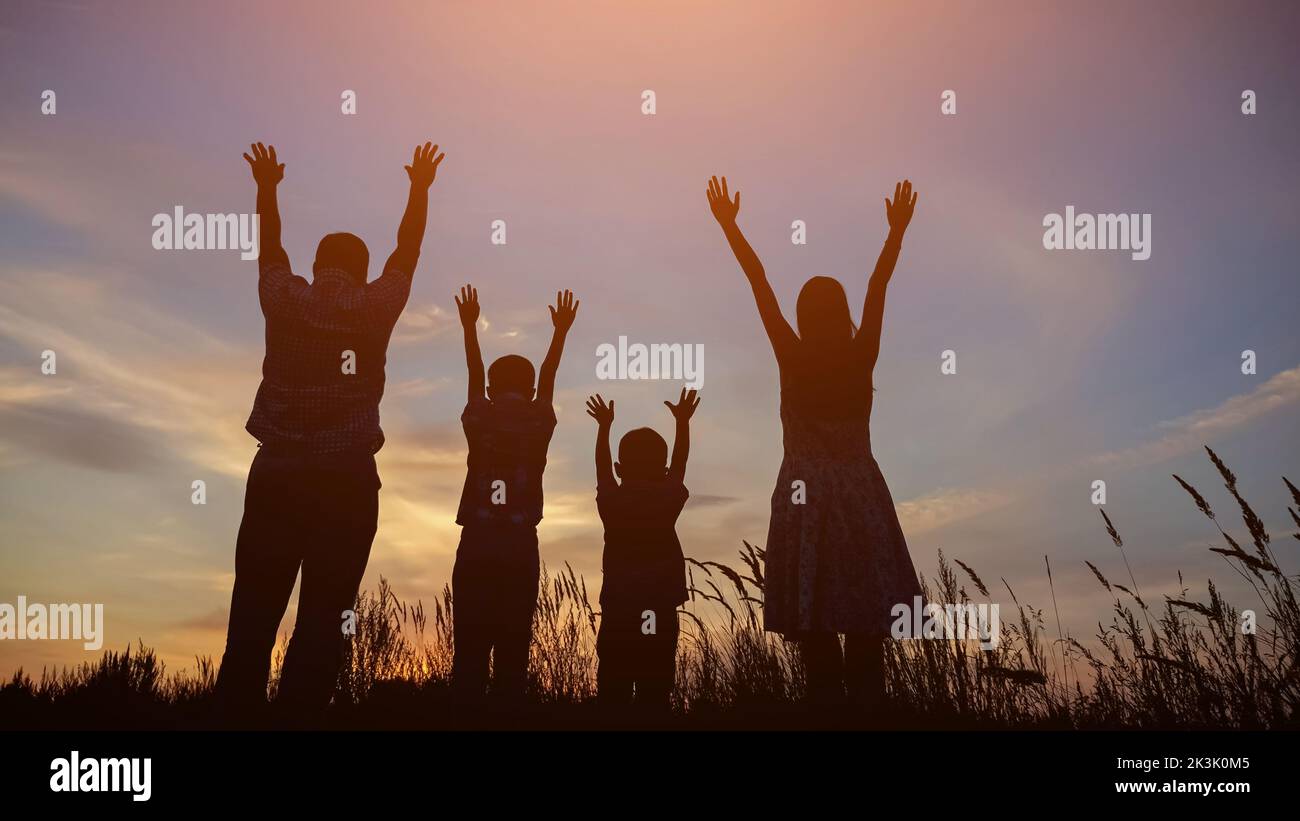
x=604, y=416
x=467, y=307
x=724, y=211
x=899, y=214
x=562, y=315
x=682, y=412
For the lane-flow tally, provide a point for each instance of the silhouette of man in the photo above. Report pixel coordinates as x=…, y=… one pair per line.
x=312, y=500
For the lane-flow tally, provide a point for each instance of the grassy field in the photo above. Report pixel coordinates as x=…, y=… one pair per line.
x=1180, y=663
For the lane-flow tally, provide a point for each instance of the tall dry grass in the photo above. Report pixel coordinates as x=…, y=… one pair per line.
x=1180, y=663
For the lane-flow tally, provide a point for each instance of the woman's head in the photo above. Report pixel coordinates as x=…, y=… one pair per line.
x=823, y=313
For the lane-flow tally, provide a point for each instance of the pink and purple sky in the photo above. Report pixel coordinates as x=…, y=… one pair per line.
x=1072, y=366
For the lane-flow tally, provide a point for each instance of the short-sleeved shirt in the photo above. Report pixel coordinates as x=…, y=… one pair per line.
x=508, y=438
x=643, y=563
x=326, y=348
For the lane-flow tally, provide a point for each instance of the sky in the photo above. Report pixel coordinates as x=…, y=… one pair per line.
x=1072, y=366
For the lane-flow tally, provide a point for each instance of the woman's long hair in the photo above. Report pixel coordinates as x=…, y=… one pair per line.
x=823, y=315
x=826, y=366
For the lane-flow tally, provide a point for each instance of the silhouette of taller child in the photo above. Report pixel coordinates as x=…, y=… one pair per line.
x=312, y=500
x=508, y=425
x=837, y=561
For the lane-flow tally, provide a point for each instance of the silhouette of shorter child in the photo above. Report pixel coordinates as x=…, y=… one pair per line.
x=508, y=427
x=644, y=570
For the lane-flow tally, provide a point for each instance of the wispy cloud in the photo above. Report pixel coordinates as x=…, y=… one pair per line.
x=122, y=390
x=420, y=386
x=77, y=437
x=948, y=506
x=712, y=500
x=423, y=323
x=1189, y=432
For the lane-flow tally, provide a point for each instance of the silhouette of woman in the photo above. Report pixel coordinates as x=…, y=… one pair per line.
x=836, y=559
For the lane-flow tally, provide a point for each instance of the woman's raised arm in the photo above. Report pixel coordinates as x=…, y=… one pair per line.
x=724, y=211
x=899, y=214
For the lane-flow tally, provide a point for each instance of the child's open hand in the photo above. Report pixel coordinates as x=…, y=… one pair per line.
x=467, y=306
x=598, y=410
x=564, y=311
x=686, y=405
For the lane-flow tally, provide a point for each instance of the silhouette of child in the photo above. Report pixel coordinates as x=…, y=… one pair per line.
x=644, y=571
x=508, y=426
x=836, y=559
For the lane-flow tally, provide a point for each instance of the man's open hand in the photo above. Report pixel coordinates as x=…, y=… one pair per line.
x=266, y=169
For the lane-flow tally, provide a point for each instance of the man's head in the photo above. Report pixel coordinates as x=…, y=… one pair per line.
x=511, y=374
x=345, y=251
x=642, y=454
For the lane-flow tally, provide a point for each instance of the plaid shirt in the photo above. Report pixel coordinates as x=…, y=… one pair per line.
x=306, y=400
x=507, y=440
x=642, y=563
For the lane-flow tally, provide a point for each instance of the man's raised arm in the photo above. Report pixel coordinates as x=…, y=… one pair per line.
x=267, y=173
x=276, y=284
x=410, y=234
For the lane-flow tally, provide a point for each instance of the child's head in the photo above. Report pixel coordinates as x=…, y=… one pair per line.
x=823, y=313
x=511, y=374
x=642, y=454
